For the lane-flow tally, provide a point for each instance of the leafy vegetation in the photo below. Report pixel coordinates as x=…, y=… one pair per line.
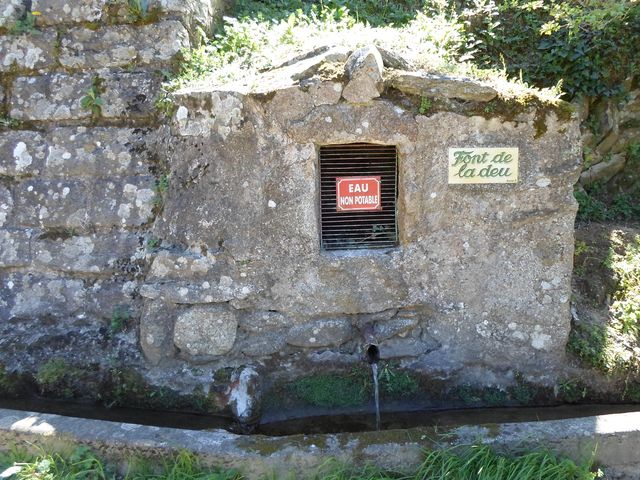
x=614, y=347
x=25, y=25
x=464, y=462
x=589, y=46
x=82, y=463
x=93, y=101
x=58, y=378
x=355, y=387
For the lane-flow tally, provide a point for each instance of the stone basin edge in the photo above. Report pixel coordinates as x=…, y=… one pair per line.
x=611, y=440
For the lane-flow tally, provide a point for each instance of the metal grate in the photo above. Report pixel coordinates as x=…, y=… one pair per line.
x=347, y=230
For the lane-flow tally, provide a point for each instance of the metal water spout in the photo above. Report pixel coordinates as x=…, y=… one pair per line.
x=371, y=349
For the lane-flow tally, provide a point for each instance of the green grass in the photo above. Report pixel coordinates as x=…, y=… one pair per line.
x=356, y=387
x=614, y=348
x=458, y=463
x=477, y=462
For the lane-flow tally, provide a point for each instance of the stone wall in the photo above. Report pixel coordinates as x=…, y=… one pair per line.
x=78, y=173
x=610, y=126
x=478, y=288
x=179, y=250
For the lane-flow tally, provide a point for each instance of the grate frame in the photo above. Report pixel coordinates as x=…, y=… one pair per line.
x=358, y=230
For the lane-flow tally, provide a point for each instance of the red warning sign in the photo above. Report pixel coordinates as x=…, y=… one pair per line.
x=358, y=194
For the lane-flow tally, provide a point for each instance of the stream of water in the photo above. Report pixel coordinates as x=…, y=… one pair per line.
x=374, y=372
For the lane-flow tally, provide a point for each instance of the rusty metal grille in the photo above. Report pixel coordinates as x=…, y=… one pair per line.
x=358, y=230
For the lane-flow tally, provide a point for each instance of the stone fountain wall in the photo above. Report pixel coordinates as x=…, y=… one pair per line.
x=181, y=247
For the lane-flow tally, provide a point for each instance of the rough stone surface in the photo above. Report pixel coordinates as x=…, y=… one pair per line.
x=14, y=248
x=51, y=97
x=27, y=52
x=156, y=331
x=320, y=333
x=427, y=85
x=53, y=12
x=75, y=152
x=96, y=254
x=603, y=171
x=10, y=12
x=130, y=95
x=364, y=68
x=78, y=204
x=205, y=331
x=21, y=153
x=123, y=45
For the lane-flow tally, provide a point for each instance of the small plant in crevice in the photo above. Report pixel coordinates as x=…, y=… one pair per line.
x=119, y=318
x=141, y=11
x=57, y=378
x=25, y=25
x=164, y=104
x=161, y=187
x=153, y=243
x=93, y=101
x=425, y=105
x=8, y=122
x=572, y=390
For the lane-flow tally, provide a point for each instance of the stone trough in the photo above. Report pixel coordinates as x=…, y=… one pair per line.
x=611, y=440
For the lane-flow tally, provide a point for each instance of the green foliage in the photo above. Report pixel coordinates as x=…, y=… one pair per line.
x=93, y=101
x=119, y=318
x=356, y=387
x=594, y=207
x=140, y=11
x=590, y=46
x=153, y=243
x=395, y=383
x=25, y=25
x=481, y=462
x=425, y=105
x=327, y=390
x=572, y=390
x=57, y=378
x=83, y=464
x=614, y=348
x=8, y=122
x=463, y=462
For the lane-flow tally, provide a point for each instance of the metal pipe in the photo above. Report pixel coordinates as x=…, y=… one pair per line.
x=371, y=349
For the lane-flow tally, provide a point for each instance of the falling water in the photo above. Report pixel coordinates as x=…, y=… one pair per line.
x=374, y=372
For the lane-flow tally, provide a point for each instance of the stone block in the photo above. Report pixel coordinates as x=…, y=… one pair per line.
x=320, y=333
x=97, y=152
x=262, y=344
x=27, y=52
x=123, y=202
x=54, y=12
x=96, y=254
x=180, y=266
x=396, y=326
x=76, y=204
x=130, y=95
x=603, y=171
x=427, y=85
x=364, y=68
x=259, y=321
x=22, y=153
x=31, y=295
x=10, y=12
x=15, y=248
x=6, y=205
x=156, y=327
x=221, y=290
x=123, y=45
x=205, y=330
x=50, y=97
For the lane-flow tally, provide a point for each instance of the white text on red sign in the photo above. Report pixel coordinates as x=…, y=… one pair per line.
x=358, y=194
